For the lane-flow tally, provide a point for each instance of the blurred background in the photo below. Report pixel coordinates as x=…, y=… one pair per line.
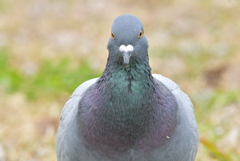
x=49, y=47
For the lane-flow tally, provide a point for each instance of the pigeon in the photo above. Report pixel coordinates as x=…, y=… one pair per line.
x=127, y=114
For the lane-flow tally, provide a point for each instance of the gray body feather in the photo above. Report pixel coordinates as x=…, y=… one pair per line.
x=182, y=145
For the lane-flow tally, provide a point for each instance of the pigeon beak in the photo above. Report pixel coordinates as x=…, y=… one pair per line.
x=126, y=53
x=126, y=58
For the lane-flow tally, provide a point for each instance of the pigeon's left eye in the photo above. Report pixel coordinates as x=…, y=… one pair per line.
x=112, y=35
x=140, y=34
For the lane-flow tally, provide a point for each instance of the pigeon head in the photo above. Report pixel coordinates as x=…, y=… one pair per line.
x=127, y=42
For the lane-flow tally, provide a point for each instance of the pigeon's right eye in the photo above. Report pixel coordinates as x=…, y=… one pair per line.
x=112, y=35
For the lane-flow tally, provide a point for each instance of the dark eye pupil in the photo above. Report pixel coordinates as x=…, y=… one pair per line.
x=112, y=35
x=140, y=34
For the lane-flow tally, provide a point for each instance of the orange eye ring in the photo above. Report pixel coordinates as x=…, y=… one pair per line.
x=112, y=35
x=140, y=34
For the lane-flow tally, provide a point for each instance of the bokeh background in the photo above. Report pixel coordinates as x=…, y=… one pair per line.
x=49, y=47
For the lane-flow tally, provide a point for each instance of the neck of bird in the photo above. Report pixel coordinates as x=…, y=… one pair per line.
x=127, y=81
x=125, y=94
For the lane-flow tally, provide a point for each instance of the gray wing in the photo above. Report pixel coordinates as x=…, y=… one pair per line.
x=67, y=115
x=185, y=139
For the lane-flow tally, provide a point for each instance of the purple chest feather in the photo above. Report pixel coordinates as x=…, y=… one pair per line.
x=113, y=123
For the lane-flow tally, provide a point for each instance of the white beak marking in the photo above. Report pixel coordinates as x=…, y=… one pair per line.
x=124, y=48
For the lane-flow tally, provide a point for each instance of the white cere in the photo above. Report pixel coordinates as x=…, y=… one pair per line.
x=124, y=48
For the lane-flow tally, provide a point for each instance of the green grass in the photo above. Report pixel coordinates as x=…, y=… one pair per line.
x=9, y=77
x=50, y=80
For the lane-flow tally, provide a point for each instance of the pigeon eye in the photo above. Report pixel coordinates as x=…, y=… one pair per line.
x=112, y=35
x=140, y=34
